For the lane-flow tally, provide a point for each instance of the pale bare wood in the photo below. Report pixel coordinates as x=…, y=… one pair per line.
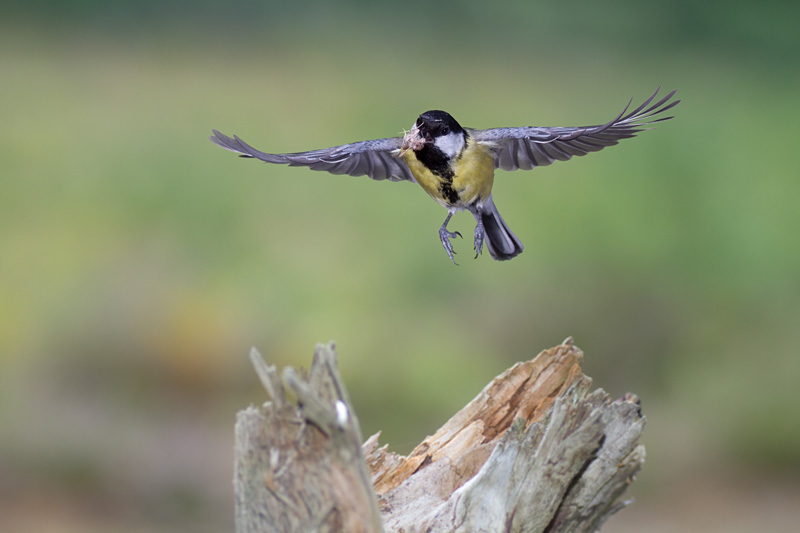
x=536, y=450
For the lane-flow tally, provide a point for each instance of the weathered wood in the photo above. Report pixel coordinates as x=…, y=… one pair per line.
x=536, y=450
x=299, y=466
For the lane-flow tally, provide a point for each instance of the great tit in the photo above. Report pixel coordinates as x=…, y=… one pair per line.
x=456, y=165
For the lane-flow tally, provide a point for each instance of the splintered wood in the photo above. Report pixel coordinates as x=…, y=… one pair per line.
x=526, y=390
x=536, y=450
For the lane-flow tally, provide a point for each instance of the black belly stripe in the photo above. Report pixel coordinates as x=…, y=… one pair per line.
x=448, y=192
x=439, y=165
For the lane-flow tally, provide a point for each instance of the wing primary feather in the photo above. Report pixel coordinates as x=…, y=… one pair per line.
x=644, y=104
x=619, y=117
x=657, y=106
x=571, y=149
x=554, y=151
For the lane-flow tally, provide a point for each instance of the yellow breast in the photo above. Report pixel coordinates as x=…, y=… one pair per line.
x=472, y=180
x=474, y=174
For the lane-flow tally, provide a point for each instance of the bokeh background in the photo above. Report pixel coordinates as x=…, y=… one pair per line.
x=139, y=263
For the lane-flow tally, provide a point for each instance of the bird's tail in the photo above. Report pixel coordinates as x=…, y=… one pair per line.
x=500, y=240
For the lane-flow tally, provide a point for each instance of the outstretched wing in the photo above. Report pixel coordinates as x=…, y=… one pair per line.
x=374, y=158
x=525, y=148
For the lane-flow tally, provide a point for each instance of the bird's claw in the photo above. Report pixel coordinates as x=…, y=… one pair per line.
x=445, y=237
x=478, y=240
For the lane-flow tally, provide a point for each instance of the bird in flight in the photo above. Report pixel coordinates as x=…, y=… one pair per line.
x=455, y=165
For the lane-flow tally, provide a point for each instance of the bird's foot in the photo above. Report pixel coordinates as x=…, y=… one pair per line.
x=479, y=235
x=445, y=237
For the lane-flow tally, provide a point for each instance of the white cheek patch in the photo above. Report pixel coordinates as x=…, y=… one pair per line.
x=450, y=144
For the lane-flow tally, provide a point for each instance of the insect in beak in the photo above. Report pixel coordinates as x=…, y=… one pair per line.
x=412, y=140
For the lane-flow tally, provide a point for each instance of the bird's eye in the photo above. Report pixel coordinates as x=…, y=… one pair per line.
x=445, y=130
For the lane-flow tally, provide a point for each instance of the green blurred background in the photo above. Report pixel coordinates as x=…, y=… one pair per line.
x=139, y=263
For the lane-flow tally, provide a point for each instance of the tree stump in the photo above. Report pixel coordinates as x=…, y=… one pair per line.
x=536, y=451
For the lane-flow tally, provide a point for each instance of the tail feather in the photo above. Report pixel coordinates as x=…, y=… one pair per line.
x=500, y=240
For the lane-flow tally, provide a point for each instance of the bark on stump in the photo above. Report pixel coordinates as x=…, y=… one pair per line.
x=536, y=450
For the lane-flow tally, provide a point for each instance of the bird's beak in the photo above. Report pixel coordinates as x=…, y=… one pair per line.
x=412, y=140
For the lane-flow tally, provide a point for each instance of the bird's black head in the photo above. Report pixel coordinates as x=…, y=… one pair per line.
x=433, y=124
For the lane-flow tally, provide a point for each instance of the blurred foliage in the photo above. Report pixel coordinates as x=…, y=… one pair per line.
x=139, y=262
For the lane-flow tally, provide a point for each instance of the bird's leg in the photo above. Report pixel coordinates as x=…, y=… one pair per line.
x=445, y=237
x=479, y=231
